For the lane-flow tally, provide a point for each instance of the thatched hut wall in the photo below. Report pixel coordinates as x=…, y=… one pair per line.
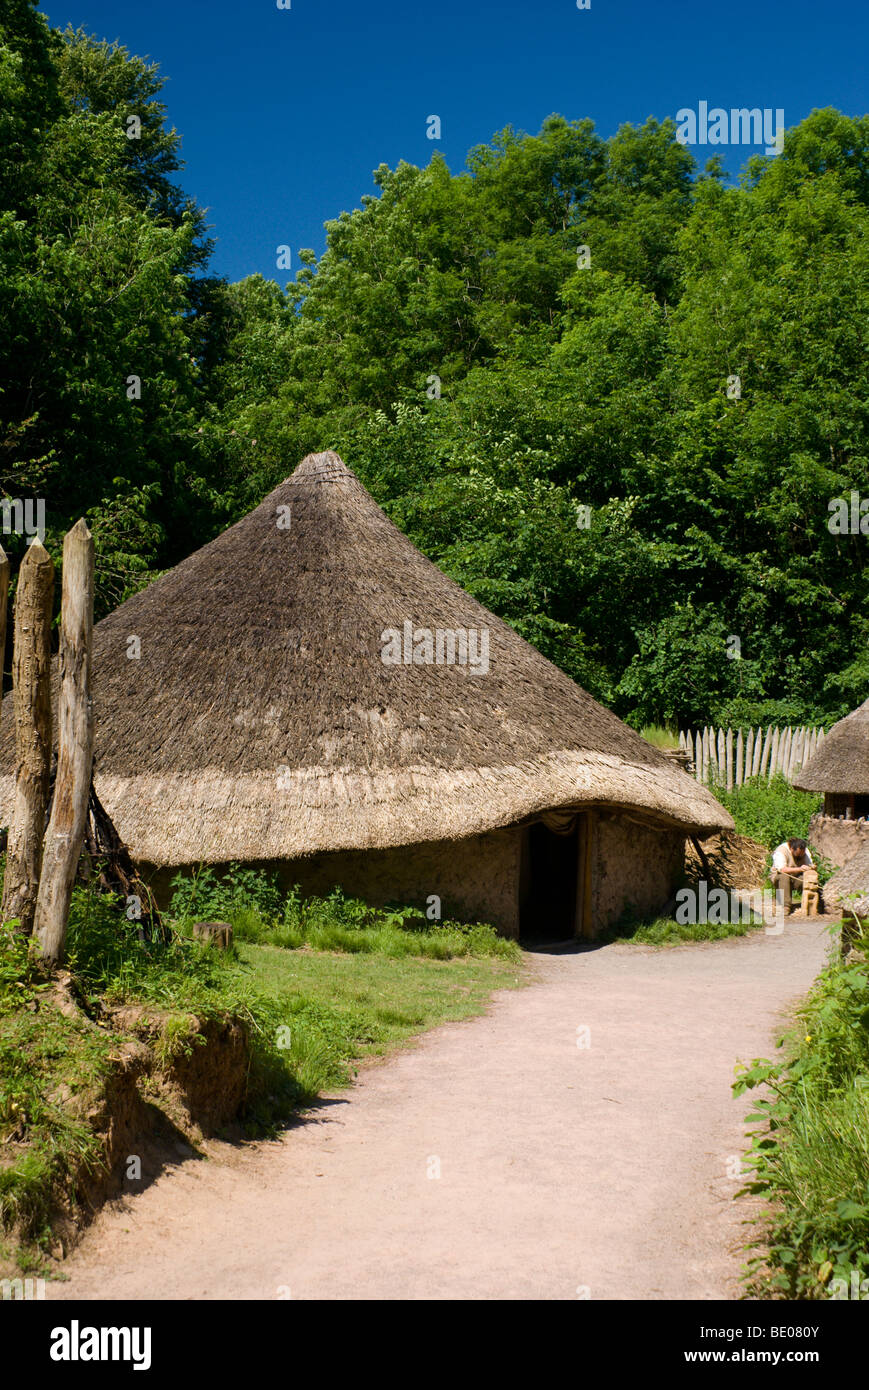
x=476, y=879
x=636, y=867
x=837, y=839
x=633, y=866
x=848, y=889
x=308, y=690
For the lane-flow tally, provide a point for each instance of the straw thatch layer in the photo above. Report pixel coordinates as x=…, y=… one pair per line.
x=260, y=720
x=841, y=764
x=852, y=878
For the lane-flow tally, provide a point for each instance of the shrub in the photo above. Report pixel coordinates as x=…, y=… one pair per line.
x=810, y=1150
x=250, y=900
x=208, y=895
x=769, y=812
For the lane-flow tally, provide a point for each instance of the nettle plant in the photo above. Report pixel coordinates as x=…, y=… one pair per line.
x=220, y=896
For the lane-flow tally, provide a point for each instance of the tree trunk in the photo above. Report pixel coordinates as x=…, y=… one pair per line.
x=31, y=673
x=63, y=839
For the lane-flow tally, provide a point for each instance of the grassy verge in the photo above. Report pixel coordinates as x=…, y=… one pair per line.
x=810, y=1145
x=666, y=931
x=52, y=1068
x=346, y=1007
x=251, y=902
x=355, y=984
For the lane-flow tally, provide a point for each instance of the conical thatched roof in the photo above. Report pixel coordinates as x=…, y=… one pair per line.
x=261, y=722
x=841, y=764
x=852, y=878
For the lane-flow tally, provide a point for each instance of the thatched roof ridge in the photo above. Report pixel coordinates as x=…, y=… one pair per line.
x=260, y=720
x=841, y=764
x=852, y=878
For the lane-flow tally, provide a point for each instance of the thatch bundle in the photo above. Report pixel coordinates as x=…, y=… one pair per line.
x=260, y=720
x=841, y=764
x=851, y=879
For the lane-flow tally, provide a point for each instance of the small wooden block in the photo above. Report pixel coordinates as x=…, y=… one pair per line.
x=218, y=934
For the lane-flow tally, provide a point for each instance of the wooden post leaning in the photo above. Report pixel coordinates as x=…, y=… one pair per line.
x=69, y=807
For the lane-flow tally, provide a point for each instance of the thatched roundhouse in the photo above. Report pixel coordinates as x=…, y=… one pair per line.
x=309, y=691
x=840, y=769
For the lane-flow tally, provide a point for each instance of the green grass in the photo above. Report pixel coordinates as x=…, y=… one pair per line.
x=666, y=931
x=810, y=1144
x=250, y=901
x=770, y=812
x=367, y=1004
x=51, y=1068
x=659, y=736
x=356, y=983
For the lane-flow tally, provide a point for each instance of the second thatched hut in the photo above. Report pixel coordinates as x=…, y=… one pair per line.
x=840, y=769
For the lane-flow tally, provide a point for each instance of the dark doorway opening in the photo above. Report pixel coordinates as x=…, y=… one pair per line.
x=549, y=885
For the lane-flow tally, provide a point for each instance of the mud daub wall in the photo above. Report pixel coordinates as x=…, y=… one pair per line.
x=837, y=839
x=476, y=879
x=633, y=866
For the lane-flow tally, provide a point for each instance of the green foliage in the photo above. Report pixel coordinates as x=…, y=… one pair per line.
x=20, y=978
x=660, y=737
x=666, y=931
x=770, y=811
x=44, y=1056
x=206, y=895
x=251, y=902
x=810, y=1144
x=306, y=1022
x=562, y=386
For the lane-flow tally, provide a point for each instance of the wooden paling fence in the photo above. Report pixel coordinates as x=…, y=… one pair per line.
x=730, y=758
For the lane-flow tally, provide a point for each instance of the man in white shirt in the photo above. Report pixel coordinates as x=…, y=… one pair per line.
x=789, y=860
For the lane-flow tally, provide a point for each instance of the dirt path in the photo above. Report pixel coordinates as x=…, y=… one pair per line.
x=561, y=1168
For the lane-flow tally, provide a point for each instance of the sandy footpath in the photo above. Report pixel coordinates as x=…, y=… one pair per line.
x=601, y=1168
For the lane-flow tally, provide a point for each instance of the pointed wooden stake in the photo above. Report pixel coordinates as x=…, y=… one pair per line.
x=63, y=838
x=31, y=673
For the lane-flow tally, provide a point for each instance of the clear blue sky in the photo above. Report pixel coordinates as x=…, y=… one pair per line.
x=285, y=113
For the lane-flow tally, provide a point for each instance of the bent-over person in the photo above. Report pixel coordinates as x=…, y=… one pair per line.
x=789, y=860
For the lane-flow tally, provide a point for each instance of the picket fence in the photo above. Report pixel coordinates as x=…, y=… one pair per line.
x=728, y=758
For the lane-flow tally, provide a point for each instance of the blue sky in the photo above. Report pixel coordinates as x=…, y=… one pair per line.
x=285, y=113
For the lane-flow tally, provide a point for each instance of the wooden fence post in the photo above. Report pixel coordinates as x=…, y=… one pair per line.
x=796, y=757
x=774, y=754
x=787, y=743
x=4, y=600
x=31, y=668
x=749, y=755
x=767, y=745
x=63, y=838
x=730, y=760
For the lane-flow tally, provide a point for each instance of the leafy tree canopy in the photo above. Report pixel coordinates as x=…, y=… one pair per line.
x=612, y=395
